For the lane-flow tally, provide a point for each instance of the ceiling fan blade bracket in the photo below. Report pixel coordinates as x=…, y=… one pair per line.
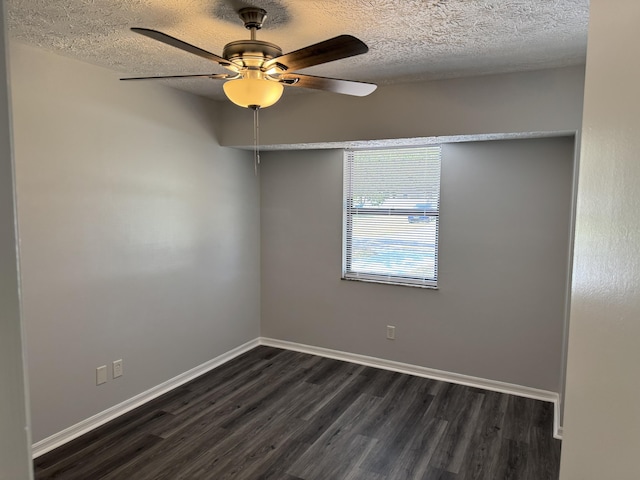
x=289, y=81
x=268, y=66
x=228, y=77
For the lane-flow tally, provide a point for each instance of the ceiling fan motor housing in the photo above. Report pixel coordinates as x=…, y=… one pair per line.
x=248, y=52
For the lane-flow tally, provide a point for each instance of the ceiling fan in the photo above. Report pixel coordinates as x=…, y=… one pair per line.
x=259, y=71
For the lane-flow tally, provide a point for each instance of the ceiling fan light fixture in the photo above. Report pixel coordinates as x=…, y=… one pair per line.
x=253, y=92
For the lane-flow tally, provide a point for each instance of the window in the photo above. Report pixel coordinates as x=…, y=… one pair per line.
x=391, y=215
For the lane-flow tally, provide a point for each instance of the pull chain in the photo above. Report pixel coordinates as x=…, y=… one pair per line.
x=256, y=139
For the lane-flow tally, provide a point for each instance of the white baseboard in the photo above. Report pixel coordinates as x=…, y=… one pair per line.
x=557, y=428
x=74, y=431
x=493, y=385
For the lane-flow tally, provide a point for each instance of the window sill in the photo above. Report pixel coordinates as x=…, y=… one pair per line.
x=395, y=283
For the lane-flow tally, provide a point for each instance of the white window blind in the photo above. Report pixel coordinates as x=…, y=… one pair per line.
x=391, y=215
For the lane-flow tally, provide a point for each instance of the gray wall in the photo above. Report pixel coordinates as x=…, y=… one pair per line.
x=504, y=241
x=539, y=101
x=14, y=434
x=139, y=235
x=602, y=412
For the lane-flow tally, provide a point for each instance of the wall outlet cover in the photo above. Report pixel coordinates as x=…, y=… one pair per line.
x=117, y=368
x=391, y=332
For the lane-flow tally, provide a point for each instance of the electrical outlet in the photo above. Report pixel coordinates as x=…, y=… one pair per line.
x=101, y=375
x=117, y=368
x=391, y=332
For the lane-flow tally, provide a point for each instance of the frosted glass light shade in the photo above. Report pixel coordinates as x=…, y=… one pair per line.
x=249, y=92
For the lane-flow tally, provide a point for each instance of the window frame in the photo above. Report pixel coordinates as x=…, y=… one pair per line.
x=347, y=237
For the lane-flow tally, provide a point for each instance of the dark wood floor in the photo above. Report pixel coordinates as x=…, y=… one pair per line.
x=276, y=414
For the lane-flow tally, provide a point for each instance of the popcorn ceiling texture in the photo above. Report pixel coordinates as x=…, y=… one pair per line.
x=409, y=40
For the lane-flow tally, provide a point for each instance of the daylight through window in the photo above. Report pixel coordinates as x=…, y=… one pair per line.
x=391, y=215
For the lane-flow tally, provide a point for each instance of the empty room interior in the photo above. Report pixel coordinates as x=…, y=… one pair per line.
x=417, y=261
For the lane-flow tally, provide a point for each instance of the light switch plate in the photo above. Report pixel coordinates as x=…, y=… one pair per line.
x=101, y=375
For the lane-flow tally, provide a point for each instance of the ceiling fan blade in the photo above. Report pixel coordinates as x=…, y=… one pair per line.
x=187, y=47
x=336, y=48
x=214, y=76
x=335, y=85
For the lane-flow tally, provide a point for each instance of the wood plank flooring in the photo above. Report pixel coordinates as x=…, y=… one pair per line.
x=282, y=415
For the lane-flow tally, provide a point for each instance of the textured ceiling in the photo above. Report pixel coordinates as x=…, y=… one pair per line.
x=408, y=39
